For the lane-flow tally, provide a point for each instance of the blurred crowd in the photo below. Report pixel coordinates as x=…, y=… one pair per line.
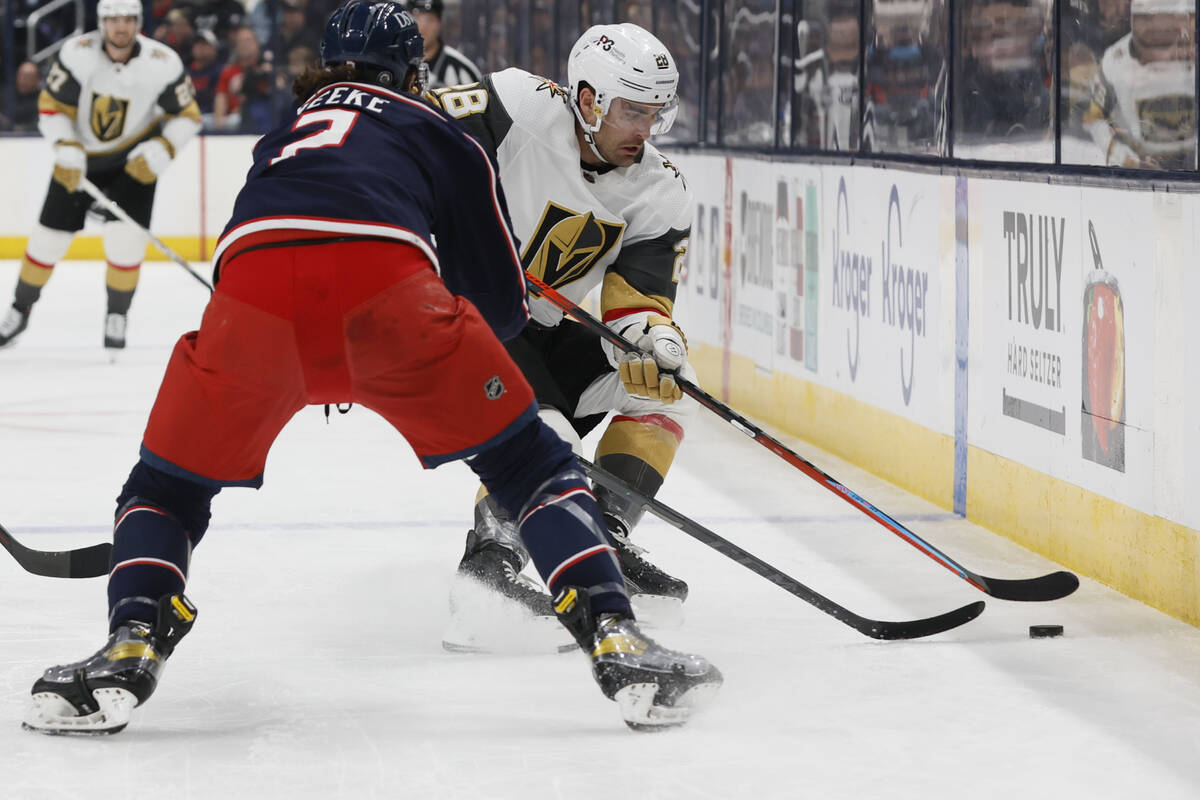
x=1126, y=68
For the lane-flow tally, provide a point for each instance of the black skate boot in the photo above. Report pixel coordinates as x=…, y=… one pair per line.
x=641, y=577
x=97, y=695
x=523, y=621
x=498, y=567
x=114, y=331
x=654, y=687
x=15, y=321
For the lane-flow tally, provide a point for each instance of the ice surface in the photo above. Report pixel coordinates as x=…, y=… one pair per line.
x=315, y=669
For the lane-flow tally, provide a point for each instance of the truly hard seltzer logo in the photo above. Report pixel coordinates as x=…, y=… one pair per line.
x=1034, y=249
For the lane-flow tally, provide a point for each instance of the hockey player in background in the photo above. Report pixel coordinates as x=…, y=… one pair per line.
x=117, y=106
x=594, y=205
x=329, y=289
x=1143, y=110
x=447, y=66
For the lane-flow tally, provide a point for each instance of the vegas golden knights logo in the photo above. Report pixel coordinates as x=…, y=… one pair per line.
x=108, y=117
x=565, y=245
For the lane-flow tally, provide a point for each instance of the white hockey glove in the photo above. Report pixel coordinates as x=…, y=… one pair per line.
x=69, y=163
x=664, y=350
x=1122, y=155
x=148, y=159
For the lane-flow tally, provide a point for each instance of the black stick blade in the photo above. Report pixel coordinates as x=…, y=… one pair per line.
x=86, y=562
x=918, y=628
x=1031, y=590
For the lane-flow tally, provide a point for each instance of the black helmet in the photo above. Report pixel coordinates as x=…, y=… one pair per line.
x=379, y=35
x=428, y=6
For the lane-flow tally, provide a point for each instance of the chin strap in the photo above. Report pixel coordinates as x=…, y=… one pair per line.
x=589, y=131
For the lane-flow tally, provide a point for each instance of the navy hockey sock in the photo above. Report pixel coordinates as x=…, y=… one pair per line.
x=562, y=530
x=150, y=558
x=160, y=518
x=535, y=477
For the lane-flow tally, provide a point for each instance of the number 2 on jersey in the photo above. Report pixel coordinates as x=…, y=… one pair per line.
x=338, y=123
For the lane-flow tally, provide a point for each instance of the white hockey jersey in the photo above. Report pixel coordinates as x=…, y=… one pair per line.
x=1150, y=107
x=578, y=225
x=113, y=106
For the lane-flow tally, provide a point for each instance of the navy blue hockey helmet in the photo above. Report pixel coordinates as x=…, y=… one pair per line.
x=382, y=36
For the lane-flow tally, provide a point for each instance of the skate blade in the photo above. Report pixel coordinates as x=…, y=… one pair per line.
x=51, y=714
x=657, y=611
x=483, y=621
x=640, y=713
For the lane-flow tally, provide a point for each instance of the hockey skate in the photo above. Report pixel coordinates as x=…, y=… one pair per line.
x=13, y=323
x=494, y=608
x=114, y=331
x=654, y=687
x=657, y=597
x=97, y=695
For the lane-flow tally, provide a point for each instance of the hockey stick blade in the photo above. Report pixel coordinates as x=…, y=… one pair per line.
x=86, y=562
x=1030, y=590
x=1043, y=588
x=876, y=629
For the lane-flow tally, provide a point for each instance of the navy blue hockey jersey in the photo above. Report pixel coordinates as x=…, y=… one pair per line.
x=361, y=160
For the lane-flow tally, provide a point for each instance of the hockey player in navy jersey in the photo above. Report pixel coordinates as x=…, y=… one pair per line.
x=595, y=204
x=369, y=259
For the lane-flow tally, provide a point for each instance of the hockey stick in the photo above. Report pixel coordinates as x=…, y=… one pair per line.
x=876, y=629
x=122, y=215
x=1045, y=587
x=86, y=562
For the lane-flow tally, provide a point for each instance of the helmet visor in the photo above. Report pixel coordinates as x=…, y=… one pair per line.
x=630, y=114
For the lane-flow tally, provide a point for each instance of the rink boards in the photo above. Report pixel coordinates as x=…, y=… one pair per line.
x=1018, y=351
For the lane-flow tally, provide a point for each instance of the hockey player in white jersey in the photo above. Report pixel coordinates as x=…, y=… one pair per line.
x=1143, y=110
x=594, y=205
x=116, y=106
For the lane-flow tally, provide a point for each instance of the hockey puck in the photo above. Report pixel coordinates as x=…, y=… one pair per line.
x=1045, y=631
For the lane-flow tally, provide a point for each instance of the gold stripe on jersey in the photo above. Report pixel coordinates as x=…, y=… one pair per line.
x=190, y=111
x=617, y=293
x=108, y=117
x=566, y=244
x=48, y=105
x=651, y=443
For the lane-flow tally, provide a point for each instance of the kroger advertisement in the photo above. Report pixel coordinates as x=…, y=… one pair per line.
x=1077, y=295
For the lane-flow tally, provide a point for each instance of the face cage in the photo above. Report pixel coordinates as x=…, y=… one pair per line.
x=663, y=119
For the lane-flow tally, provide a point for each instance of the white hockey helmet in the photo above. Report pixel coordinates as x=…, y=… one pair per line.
x=625, y=61
x=119, y=8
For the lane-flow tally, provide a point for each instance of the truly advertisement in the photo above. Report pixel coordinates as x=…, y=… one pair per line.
x=1061, y=348
x=883, y=336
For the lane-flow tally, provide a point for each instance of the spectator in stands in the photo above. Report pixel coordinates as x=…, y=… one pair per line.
x=1006, y=84
x=447, y=66
x=177, y=32
x=293, y=28
x=205, y=70
x=299, y=59
x=28, y=85
x=240, y=83
x=219, y=16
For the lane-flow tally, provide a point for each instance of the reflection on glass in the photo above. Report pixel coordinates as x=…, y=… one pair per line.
x=825, y=105
x=748, y=85
x=906, y=77
x=1003, y=91
x=677, y=25
x=1143, y=105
